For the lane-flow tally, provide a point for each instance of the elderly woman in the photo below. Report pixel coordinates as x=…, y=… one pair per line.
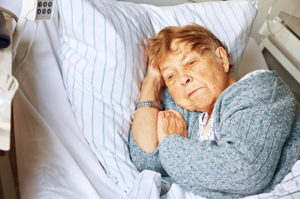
x=218, y=137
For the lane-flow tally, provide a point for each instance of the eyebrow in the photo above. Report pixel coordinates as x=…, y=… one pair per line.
x=182, y=59
x=163, y=70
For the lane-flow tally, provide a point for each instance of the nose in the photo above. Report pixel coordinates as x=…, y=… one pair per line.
x=185, y=79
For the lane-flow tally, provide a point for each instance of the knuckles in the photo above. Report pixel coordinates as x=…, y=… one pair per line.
x=172, y=122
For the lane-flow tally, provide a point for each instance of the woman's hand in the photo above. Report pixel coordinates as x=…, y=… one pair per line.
x=152, y=83
x=170, y=122
x=153, y=72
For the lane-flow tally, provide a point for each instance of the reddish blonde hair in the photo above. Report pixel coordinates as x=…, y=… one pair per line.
x=195, y=36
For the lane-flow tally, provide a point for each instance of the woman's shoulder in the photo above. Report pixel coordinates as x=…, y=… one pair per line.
x=253, y=73
x=262, y=84
x=266, y=89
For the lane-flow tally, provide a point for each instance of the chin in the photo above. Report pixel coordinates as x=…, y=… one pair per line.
x=189, y=108
x=201, y=109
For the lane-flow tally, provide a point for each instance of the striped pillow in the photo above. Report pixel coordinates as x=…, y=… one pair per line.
x=103, y=64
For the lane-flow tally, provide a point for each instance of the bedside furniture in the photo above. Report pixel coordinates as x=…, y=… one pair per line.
x=281, y=49
x=7, y=185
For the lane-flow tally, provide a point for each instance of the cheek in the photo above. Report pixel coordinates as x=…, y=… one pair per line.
x=177, y=93
x=174, y=91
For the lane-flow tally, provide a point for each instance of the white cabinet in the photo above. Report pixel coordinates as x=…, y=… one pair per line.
x=284, y=46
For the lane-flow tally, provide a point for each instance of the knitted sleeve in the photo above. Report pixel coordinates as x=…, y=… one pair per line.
x=253, y=118
x=143, y=160
x=151, y=161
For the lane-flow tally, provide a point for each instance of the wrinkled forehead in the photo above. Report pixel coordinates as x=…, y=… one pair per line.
x=177, y=50
x=179, y=53
x=177, y=47
x=180, y=48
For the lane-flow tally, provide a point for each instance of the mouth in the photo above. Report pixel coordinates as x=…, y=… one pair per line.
x=194, y=91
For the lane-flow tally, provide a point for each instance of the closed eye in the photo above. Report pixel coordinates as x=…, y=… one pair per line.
x=170, y=77
x=191, y=63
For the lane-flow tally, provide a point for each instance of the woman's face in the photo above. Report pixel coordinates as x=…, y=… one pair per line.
x=195, y=80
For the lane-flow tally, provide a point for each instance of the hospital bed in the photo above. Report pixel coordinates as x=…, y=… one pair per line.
x=57, y=156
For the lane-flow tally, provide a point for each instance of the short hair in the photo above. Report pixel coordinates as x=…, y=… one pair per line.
x=196, y=36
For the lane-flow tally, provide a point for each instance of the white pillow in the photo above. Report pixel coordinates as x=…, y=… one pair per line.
x=103, y=64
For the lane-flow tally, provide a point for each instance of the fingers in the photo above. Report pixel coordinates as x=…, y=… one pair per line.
x=171, y=122
x=150, y=62
x=163, y=123
x=177, y=114
x=153, y=73
x=180, y=123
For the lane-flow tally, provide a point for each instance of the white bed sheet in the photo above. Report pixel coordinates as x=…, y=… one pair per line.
x=54, y=160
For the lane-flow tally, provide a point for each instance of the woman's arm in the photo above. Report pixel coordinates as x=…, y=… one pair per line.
x=151, y=161
x=143, y=138
x=144, y=125
x=145, y=161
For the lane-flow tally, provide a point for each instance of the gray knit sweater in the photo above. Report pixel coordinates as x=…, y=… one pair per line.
x=258, y=125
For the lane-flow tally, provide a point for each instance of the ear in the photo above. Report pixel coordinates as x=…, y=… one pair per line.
x=222, y=55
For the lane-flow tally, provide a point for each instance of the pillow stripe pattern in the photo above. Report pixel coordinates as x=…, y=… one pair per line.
x=103, y=64
x=70, y=72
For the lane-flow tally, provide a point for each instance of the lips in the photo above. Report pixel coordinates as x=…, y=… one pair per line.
x=194, y=91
